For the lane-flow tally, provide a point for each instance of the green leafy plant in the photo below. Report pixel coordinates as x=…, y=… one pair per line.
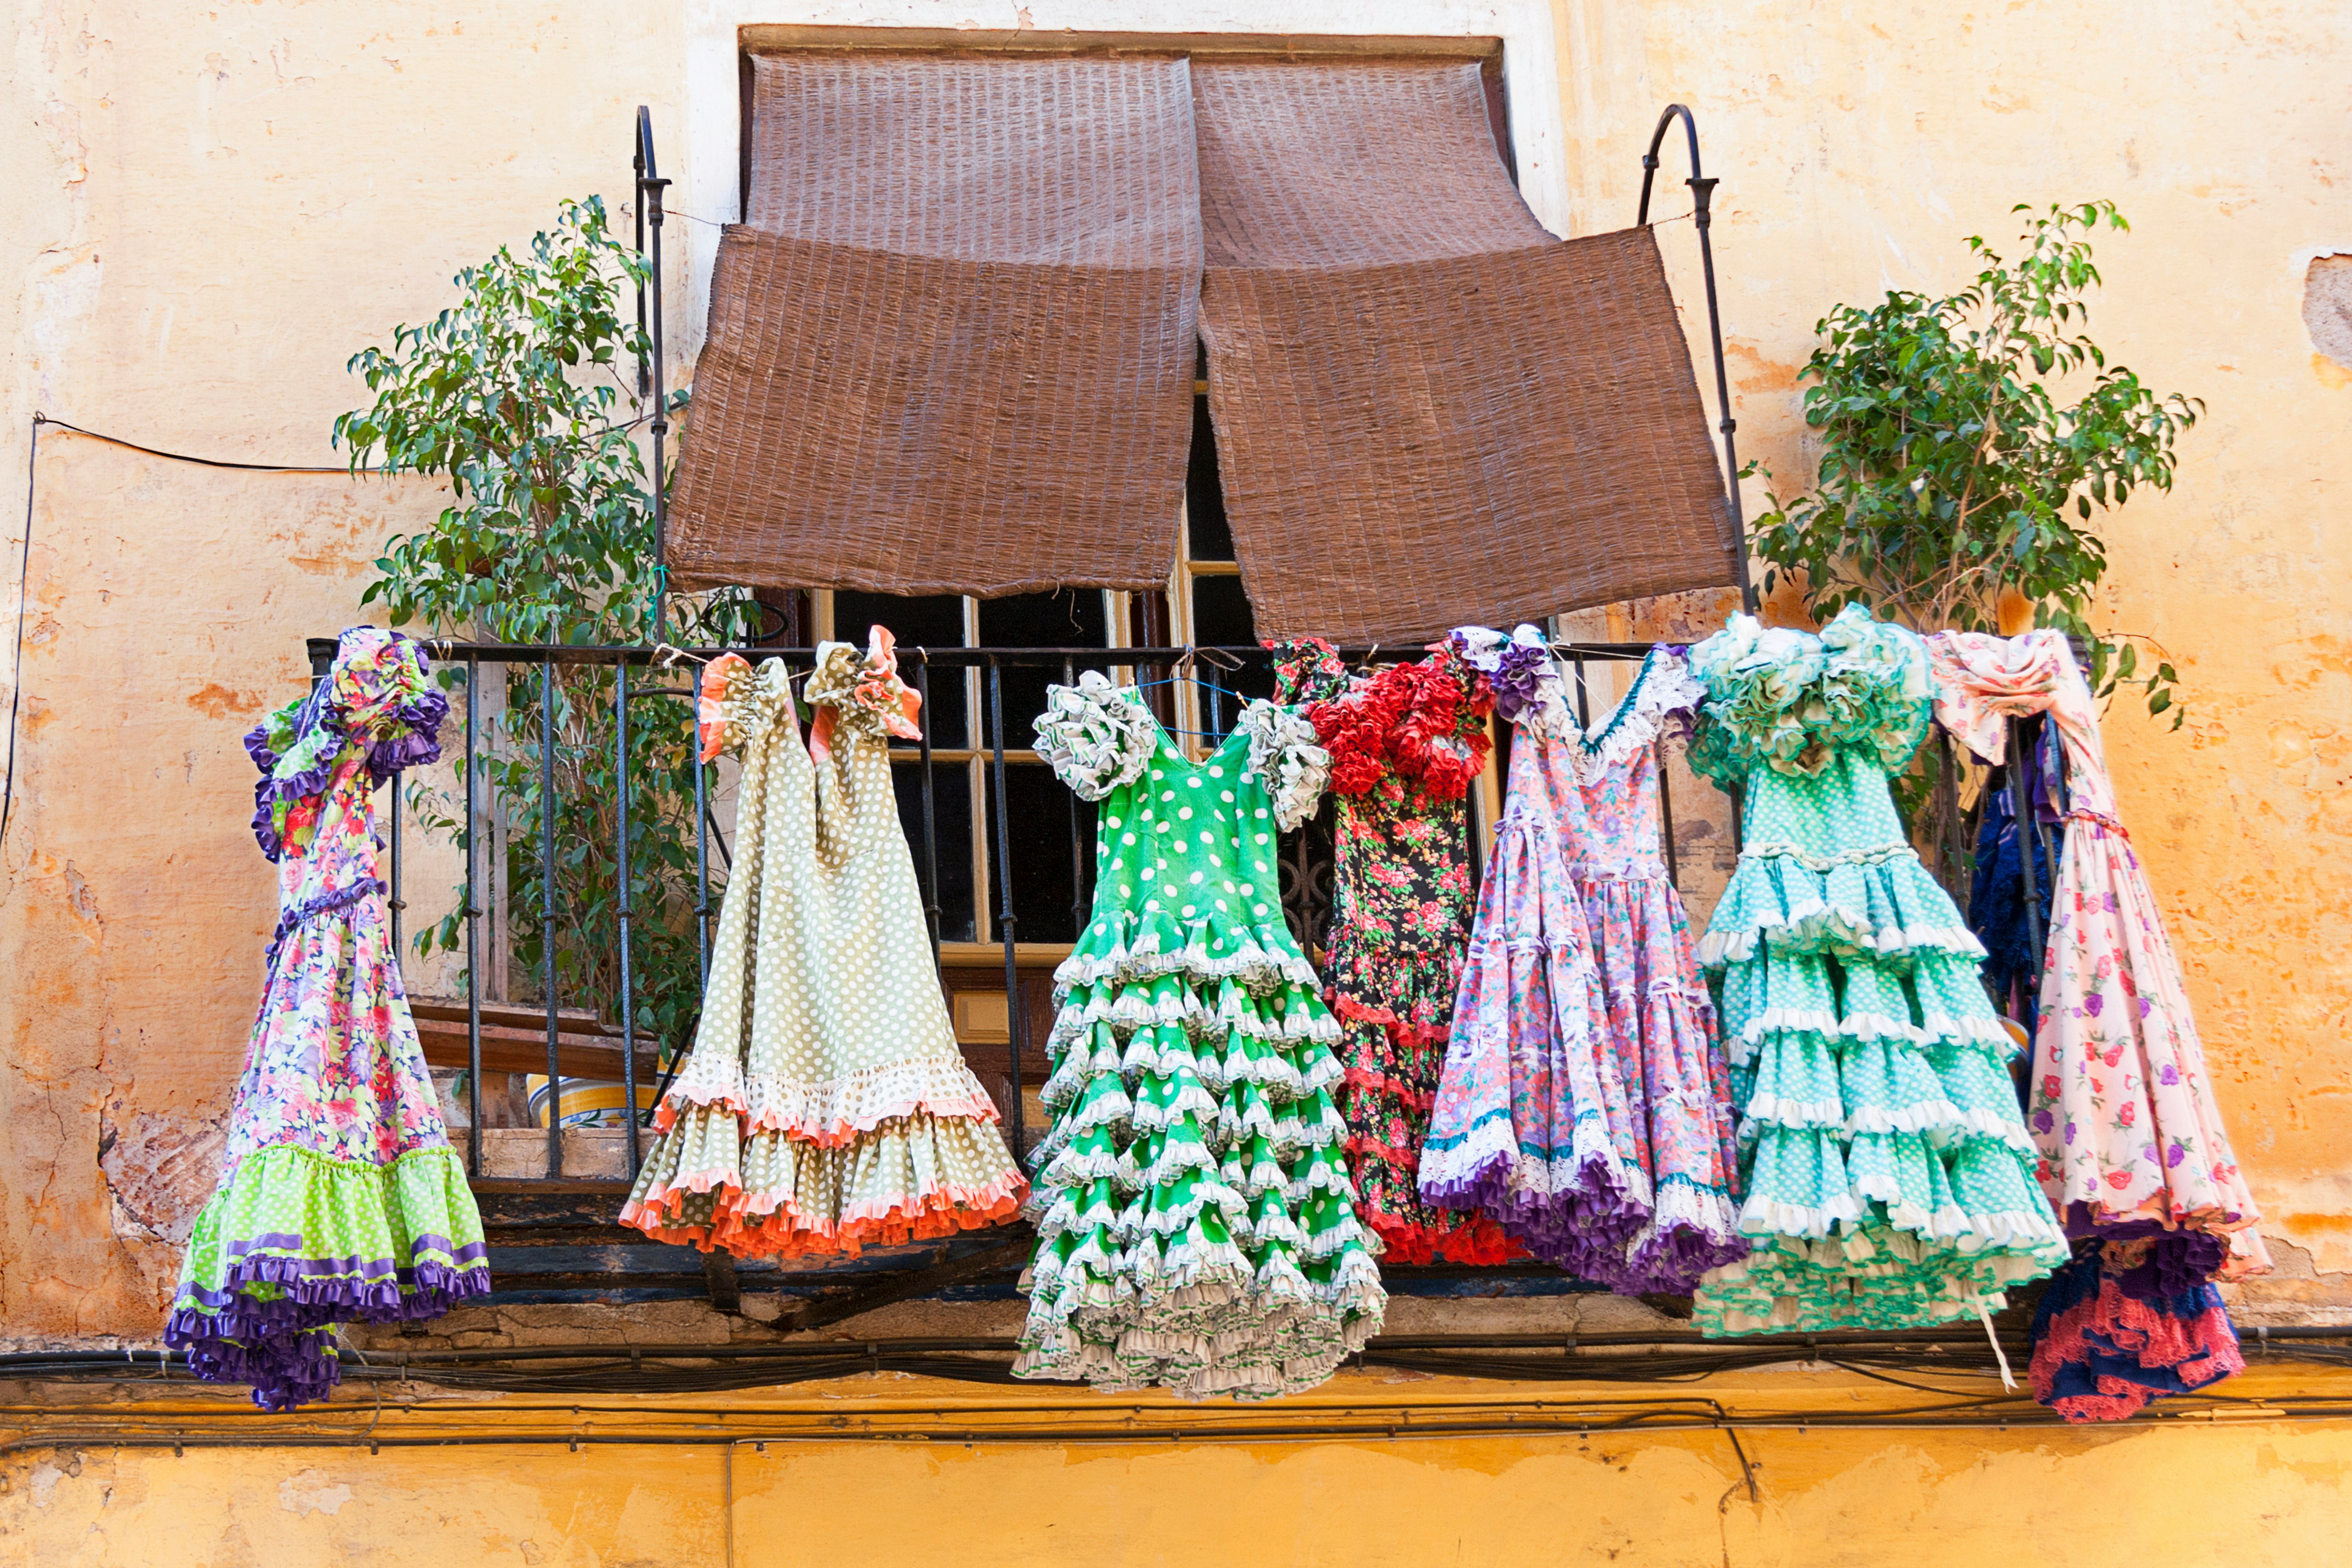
x=1952, y=470
x=514, y=396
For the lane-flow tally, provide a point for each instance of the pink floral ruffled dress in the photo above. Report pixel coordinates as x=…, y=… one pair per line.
x=1586, y=1101
x=340, y=1199
x=2122, y=1111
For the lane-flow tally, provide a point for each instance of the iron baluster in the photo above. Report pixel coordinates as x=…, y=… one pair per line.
x=627, y=897
x=1081, y=894
x=547, y=913
x=930, y=806
x=1016, y=1025
x=2021, y=807
x=1666, y=815
x=473, y=928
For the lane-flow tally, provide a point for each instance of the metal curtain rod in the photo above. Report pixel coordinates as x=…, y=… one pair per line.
x=1702, y=200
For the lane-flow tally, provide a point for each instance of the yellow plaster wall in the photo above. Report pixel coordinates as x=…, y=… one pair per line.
x=2258, y=1497
x=210, y=206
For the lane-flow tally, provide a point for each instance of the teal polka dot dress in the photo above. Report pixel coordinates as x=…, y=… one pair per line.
x=1886, y=1171
x=1196, y=1223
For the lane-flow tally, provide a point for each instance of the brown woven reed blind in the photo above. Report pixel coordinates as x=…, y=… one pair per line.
x=1429, y=411
x=953, y=349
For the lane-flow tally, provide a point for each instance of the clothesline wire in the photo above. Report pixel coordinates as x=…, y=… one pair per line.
x=347, y=471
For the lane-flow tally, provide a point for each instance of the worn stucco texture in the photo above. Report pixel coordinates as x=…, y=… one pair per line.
x=210, y=209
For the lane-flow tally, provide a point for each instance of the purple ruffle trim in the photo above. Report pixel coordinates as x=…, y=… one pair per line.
x=419, y=744
x=1590, y=1231
x=1517, y=679
x=2180, y=1260
x=324, y=904
x=283, y=1346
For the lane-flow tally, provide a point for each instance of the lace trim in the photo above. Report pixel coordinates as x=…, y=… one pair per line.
x=838, y=1111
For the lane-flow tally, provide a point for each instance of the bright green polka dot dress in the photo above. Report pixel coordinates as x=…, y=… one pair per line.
x=1196, y=1224
x=1886, y=1168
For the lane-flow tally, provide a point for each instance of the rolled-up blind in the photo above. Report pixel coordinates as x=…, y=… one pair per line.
x=953, y=349
x=1428, y=410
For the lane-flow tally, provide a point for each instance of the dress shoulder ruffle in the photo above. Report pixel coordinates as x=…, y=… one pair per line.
x=1790, y=700
x=379, y=699
x=1286, y=757
x=1095, y=736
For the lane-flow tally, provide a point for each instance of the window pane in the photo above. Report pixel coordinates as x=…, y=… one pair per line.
x=1071, y=618
x=933, y=622
x=1210, y=537
x=1221, y=618
x=951, y=800
x=1038, y=830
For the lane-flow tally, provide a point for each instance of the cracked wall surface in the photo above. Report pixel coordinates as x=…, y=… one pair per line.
x=212, y=208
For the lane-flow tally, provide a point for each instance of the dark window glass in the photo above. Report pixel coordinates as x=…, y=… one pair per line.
x=951, y=806
x=1038, y=837
x=933, y=622
x=1071, y=618
x=1221, y=618
x=1210, y=537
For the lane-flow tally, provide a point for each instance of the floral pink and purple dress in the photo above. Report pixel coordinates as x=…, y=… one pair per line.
x=1586, y=1102
x=340, y=1199
x=2132, y=1149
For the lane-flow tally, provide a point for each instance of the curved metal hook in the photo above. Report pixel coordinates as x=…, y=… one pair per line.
x=1702, y=190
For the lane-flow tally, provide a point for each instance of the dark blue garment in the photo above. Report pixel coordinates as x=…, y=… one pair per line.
x=1997, y=908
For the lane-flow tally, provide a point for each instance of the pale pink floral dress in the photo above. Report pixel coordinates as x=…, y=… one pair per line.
x=2121, y=1108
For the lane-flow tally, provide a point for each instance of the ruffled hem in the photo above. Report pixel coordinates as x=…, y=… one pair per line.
x=2243, y=1253
x=1409, y=993
x=1871, y=1274
x=709, y=1184
x=258, y=1304
x=2102, y=1355
x=827, y=1114
x=1886, y=907
x=1125, y=950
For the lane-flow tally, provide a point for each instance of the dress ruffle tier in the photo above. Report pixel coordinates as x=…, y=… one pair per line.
x=826, y=1107
x=1196, y=1224
x=340, y=1200
x=1585, y=1103
x=1887, y=1174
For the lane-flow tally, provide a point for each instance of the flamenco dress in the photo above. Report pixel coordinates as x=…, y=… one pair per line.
x=825, y=1106
x=2132, y=1147
x=1586, y=1096
x=1886, y=1171
x=1406, y=742
x=339, y=1198
x=1196, y=1225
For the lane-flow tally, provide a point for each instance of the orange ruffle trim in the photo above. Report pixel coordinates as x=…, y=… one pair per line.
x=768, y=1224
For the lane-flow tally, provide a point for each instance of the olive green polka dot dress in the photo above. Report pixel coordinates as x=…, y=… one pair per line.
x=1887, y=1174
x=1196, y=1223
x=826, y=1105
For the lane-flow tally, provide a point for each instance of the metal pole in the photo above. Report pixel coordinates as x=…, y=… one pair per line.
x=621, y=855
x=931, y=810
x=393, y=901
x=1666, y=814
x=2021, y=811
x=1702, y=215
x=473, y=928
x=1017, y=1030
x=650, y=186
x=1081, y=894
x=547, y=913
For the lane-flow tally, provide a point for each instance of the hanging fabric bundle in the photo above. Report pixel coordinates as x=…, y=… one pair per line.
x=340, y=1199
x=1586, y=1101
x=2134, y=1153
x=825, y=1106
x=1406, y=742
x=1888, y=1176
x=1196, y=1226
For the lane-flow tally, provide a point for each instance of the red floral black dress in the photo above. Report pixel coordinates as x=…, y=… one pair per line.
x=1405, y=743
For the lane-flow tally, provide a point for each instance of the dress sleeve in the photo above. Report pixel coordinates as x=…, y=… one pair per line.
x=1097, y=736
x=862, y=698
x=385, y=698
x=1758, y=683
x=1875, y=688
x=1285, y=756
